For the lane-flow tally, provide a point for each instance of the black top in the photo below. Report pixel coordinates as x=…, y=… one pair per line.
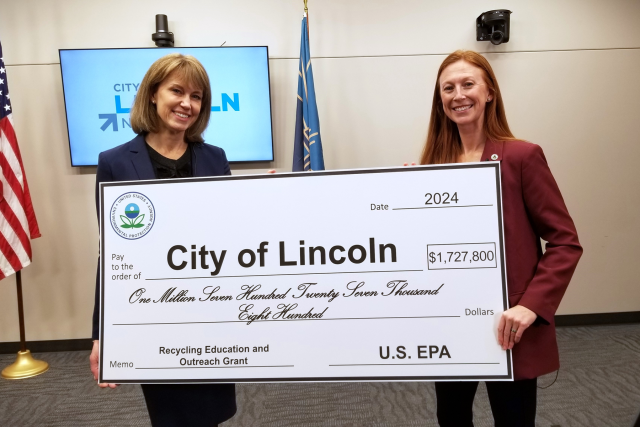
x=164, y=167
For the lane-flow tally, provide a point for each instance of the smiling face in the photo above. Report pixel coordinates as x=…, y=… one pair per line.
x=464, y=94
x=178, y=103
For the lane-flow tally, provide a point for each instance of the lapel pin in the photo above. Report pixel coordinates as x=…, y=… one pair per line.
x=494, y=157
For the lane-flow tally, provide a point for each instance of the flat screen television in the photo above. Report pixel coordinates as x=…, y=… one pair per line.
x=100, y=85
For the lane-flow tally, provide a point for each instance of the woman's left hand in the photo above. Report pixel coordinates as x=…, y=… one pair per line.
x=513, y=323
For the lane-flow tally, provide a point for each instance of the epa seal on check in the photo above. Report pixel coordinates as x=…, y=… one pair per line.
x=132, y=215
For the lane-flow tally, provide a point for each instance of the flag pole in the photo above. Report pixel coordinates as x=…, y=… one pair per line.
x=25, y=365
x=306, y=13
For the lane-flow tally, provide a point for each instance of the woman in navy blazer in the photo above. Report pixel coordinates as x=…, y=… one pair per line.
x=170, y=113
x=468, y=124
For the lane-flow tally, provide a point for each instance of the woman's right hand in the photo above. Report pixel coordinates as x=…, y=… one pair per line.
x=94, y=360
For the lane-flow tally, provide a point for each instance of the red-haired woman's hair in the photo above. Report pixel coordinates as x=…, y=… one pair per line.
x=443, y=143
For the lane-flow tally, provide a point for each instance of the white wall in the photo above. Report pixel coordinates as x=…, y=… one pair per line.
x=568, y=76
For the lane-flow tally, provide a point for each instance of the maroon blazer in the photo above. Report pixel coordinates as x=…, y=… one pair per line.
x=533, y=208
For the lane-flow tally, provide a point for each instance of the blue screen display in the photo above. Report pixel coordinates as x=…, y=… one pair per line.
x=101, y=84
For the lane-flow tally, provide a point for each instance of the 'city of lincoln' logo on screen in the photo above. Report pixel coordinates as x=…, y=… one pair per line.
x=111, y=119
x=132, y=215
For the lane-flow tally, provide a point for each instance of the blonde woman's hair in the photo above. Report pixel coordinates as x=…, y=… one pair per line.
x=144, y=116
x=443, y=143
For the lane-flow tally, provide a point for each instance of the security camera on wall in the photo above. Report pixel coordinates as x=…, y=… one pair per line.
x=162, y=37
x=493, y=26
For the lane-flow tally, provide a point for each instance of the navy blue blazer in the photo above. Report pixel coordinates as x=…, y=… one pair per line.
x=131, y=162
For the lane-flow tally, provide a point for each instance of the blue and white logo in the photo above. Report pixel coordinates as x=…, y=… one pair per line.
x=132, y=216
x=240, y=120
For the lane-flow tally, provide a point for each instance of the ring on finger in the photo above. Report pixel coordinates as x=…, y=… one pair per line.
x=513, y=331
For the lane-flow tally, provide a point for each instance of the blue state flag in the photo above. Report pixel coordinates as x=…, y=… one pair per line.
x=307, y=148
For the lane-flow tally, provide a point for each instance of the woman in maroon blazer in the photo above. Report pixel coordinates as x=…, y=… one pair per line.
x=468, y=124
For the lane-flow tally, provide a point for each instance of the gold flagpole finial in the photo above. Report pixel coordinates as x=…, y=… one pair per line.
x=306, y=9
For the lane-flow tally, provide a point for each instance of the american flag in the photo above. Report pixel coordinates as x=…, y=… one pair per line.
x=17, y=219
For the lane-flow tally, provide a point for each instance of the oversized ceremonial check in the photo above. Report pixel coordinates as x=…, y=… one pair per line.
x=358, y=275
